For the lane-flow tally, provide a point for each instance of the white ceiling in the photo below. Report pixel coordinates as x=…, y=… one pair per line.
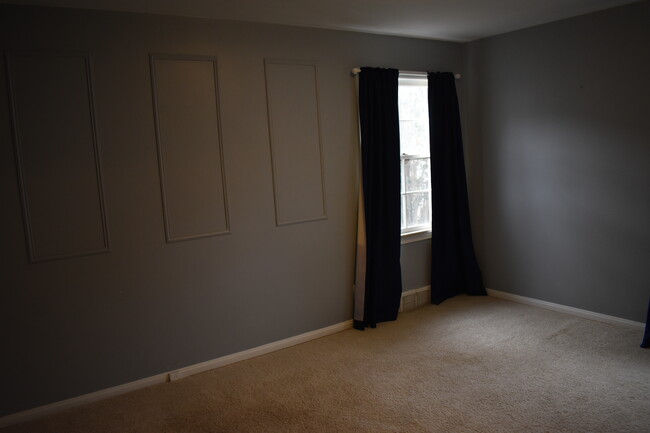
x=454, y=20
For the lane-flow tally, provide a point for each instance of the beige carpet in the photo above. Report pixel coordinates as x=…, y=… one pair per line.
x=469, y=365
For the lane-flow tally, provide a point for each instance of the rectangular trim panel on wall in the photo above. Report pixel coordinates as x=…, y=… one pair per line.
x=295, y=136
x=57, y=155
x=190, y=152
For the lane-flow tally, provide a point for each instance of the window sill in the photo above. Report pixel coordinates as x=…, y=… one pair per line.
x=415, y=237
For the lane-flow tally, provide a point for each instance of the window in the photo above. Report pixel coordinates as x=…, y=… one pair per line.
x=415, y=156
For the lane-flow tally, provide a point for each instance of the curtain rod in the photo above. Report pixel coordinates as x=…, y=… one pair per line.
x=355, y=71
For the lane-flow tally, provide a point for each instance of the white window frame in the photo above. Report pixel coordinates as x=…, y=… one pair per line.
x=414, y=233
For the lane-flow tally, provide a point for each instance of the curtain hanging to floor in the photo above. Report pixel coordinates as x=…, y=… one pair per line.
x=378, y=290
x=454, y=268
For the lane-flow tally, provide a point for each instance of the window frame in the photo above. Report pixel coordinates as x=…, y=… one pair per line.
x=421, y=232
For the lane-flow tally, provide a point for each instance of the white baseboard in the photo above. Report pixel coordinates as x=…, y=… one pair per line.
x=585, y=314
x=49, y=409
x=417, y=298
x=257, y=351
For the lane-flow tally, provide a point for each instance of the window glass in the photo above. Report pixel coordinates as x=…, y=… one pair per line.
x=415, y=158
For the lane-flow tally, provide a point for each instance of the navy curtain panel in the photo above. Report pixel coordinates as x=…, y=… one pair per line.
x=380, y=157
x=646, y=337
x=454, y=268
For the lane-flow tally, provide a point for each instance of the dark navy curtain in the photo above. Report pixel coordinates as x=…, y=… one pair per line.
x=380, y=156
x=454, y=268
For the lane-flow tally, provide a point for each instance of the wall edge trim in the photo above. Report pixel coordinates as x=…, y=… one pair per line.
x=259, y=350
x=585, y=314
x=52, y=408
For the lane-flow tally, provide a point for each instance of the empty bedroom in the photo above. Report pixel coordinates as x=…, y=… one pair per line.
x=325, y=216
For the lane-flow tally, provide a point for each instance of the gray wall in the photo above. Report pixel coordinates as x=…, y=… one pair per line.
x=416, y=265
x=79, y=324
x=561, y=112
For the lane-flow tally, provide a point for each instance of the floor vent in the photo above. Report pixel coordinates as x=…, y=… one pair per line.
x=415, y=298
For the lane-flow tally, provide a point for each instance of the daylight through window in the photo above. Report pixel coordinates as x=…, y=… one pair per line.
x=415, y=156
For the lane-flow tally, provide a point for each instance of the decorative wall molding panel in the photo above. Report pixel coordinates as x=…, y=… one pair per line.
x=57, y=154
x=295, y=136
x=190, y=152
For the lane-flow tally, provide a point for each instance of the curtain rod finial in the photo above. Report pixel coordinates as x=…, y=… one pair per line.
x=457, y=75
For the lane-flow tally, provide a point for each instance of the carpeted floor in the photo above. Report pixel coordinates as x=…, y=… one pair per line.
x=469, y=365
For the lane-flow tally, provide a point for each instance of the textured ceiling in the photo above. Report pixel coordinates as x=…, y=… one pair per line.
x=454, y=20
